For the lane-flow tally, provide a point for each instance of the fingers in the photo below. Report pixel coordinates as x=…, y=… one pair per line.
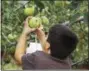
x=36, y=30
x=26, y=21
x=33, y=29
x=29, y=17
x=41, y=27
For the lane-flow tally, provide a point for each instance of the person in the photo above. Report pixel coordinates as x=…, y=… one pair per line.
x=56, y=49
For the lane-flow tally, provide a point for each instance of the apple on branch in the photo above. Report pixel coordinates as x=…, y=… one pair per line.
x=29, y=11
x=45, y=20
x=35, y=22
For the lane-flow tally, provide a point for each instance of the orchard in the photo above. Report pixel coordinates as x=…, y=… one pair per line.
x=46, y=13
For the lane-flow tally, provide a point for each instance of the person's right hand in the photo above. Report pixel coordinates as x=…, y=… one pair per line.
x=41, y=36
x=40, y=33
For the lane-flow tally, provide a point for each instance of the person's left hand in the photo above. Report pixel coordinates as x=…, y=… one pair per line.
x=27, y=29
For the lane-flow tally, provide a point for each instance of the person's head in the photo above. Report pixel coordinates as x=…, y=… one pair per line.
x=62, y=41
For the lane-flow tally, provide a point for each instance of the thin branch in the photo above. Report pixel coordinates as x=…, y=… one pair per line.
x=24, y=3
x=11, y=43
x=6, y=37
x=79, y=61
x=81, y=18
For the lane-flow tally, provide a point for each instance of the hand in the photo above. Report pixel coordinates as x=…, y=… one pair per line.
x=27, y=29
x=40, y=33
x=42, y=38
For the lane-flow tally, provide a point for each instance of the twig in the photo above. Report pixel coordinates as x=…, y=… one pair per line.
x=11, y=43
x=79, y=61
x=6, y=37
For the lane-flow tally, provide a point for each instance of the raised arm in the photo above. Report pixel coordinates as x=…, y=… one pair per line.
x=42, y=38
x=21, y=45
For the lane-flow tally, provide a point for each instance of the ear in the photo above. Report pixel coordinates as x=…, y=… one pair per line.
x=47, y=47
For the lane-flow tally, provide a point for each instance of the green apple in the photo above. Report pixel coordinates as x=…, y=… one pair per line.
x=67, y=2
x=29, y=11
x=34, y=22
x=58, y=3
x=11, y=36
x=45, y=20
x=86, y=29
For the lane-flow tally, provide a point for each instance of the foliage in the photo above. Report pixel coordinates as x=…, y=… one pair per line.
x=55, y=11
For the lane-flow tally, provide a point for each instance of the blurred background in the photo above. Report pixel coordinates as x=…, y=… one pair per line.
x=72, y=13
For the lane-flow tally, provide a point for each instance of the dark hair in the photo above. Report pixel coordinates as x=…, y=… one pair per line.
x=62, y=41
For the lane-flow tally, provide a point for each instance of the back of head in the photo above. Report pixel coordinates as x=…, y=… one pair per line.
x=62, y=41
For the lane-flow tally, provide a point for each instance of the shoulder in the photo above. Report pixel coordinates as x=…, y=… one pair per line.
x=29, y=60
x=31, y=56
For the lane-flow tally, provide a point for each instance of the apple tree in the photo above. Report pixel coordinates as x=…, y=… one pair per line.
x=71, y=13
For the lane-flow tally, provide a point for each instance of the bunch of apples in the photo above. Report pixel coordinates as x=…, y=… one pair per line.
x=35, y=22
